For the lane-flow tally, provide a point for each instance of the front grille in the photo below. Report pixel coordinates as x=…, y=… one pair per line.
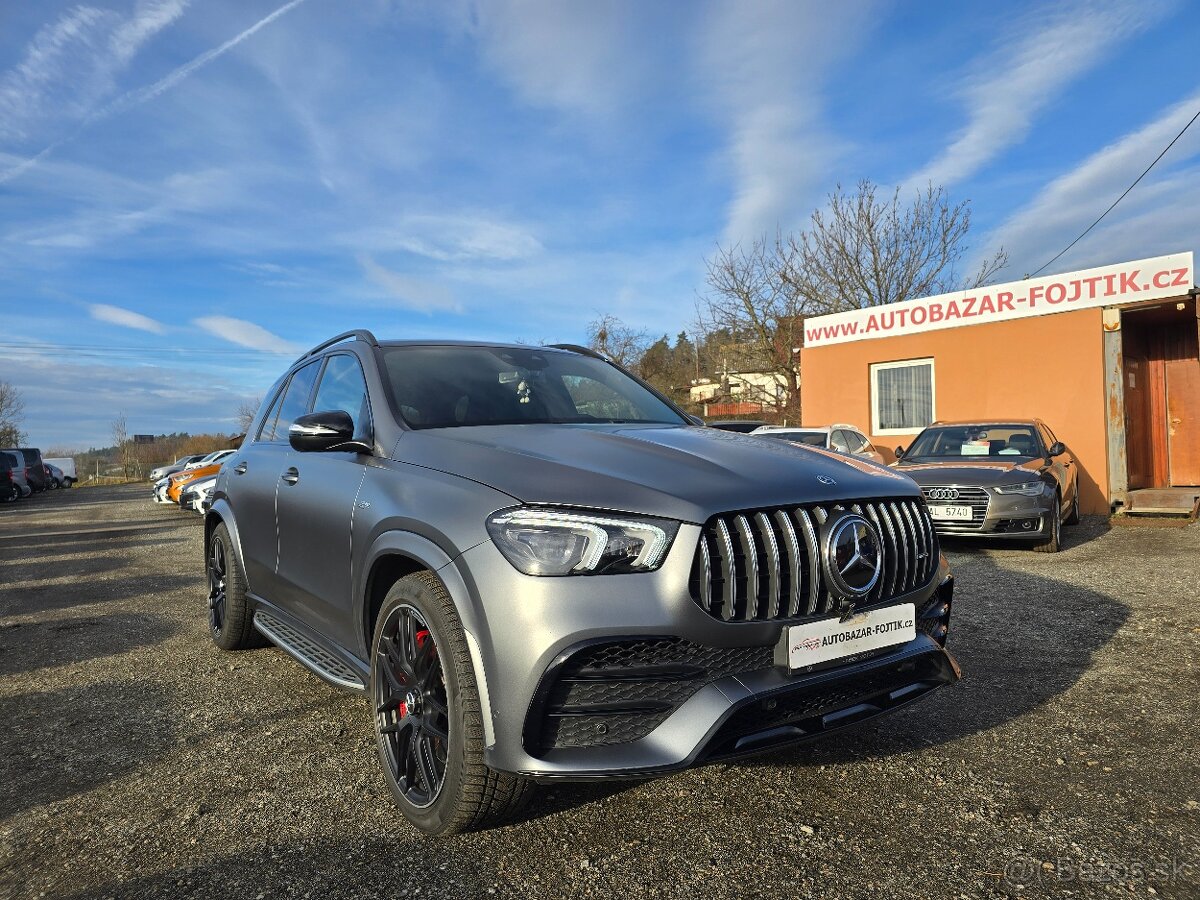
x=612, y=693
x=765, y=565
x=974, y=497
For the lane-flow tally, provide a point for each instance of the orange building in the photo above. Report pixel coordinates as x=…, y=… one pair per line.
x=1108, y=357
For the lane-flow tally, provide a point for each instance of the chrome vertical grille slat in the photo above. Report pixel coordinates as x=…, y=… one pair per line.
x=814, y=561
x=795, y=564
x=765, y=565
x=741, y=525
x=772, y=547
x=728, y=573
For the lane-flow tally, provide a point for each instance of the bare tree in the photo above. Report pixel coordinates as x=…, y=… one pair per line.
x=12, y=414
x=616, y=340
x=866, y=251
x=120, y=436
x=859, y=251
x=246, y=413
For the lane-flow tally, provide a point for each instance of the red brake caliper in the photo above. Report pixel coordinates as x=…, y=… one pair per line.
x=422, y=637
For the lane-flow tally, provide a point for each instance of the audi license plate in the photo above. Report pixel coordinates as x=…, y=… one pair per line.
x=950, y=513
x=818, y=642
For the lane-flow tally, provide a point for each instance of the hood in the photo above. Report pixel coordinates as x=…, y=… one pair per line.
x=984, y=473
x=684, y=473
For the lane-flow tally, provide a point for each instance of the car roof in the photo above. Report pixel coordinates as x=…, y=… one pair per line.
x=994, y=420
x=466, y=343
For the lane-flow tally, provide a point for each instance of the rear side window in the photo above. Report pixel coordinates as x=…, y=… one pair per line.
x=344, y=387
x=292, y=405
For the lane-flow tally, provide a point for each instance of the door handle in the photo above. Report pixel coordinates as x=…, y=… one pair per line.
x=239, y=469
x=291, y=475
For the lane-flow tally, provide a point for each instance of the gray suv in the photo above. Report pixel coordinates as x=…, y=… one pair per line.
x=535, y=567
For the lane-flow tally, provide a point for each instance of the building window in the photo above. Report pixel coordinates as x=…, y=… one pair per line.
x=902, y=397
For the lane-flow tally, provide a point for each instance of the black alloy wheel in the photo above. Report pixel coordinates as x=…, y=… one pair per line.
x=218, y=584
x=411, y=706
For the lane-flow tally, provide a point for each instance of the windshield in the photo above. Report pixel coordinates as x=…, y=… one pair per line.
x=812, y=438
x=967, y=441
x=443, y=387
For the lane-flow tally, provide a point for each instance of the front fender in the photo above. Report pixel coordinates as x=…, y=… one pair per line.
x=431, y=556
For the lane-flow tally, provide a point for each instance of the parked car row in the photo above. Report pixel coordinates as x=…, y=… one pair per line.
x=1008, y=479
x=188, y=481
x=24, y=473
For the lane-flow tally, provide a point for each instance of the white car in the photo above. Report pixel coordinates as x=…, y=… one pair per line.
x=838, y=437
x=193, y=496
x=160, y=490
x=215, y=457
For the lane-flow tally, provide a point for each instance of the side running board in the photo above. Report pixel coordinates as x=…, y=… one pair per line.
x=307, y=652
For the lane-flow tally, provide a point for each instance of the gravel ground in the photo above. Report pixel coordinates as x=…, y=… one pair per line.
x=139, y=761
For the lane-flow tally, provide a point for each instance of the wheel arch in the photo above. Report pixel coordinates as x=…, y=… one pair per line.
x=392, y=556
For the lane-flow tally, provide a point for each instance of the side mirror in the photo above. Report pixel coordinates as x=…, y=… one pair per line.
x=321, y=431
x=695, y=420
x=899, y=452
x=1058, y=448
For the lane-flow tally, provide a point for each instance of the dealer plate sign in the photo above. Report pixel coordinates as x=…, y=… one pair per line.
x=818, y=642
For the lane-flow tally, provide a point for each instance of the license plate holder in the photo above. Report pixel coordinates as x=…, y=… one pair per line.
x=813, y=643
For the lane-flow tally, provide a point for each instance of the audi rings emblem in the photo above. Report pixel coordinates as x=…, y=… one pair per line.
x=942, y=494
x=853, y=558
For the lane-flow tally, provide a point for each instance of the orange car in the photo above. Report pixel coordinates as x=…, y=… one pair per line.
x=187, y=476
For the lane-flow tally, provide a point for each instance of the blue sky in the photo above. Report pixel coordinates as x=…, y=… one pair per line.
x=203, y=188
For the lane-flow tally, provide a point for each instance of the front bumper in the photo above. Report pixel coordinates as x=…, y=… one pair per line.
x=1008, y=516
x=626, y=676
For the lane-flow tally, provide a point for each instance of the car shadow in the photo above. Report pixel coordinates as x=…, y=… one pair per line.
x=34, y=770
x=29, y=646
x=1021, y=638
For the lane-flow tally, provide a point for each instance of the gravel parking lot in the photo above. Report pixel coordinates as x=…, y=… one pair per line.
x=138, y=760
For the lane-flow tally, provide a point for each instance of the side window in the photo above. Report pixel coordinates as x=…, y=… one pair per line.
x=293, y=403
x=1047, y=436
x=855, y=441
x=344, y=387
x=267, y=428
x=837, y=440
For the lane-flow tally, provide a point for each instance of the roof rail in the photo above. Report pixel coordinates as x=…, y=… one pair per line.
x=360, y=334
x=577, y=348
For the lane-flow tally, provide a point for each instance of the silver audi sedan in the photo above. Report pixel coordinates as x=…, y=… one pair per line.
x=1008, y=478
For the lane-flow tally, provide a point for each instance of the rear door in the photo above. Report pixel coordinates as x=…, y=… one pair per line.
x=254, y=481
x=316, y=510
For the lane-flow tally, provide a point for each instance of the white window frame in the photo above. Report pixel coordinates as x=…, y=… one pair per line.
x=874, y=393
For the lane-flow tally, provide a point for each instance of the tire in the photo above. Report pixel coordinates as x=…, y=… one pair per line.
x=427, y=707
x=1073, y=516
x=1053, y=543
x=230, y=619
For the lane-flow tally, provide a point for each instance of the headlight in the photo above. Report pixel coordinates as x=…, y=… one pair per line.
x=1025, y=488
x=552, y=542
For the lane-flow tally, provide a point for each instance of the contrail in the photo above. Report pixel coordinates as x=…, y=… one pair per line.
x=139, y=96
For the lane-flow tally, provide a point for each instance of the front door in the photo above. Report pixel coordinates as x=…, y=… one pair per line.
x=317, y=493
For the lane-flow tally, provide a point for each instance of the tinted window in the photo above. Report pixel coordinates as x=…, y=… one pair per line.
x=293, y=404
x=267, y=427
x=343, y=387
x=441, y=387
x=812, y=438
x=837, y=440
x=975, y=440
x=855, y=441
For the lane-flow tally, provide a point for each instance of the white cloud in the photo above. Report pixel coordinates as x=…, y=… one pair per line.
x=1027, y=72
x=245, y=334
x=575, y=57
x=126, y=318
x=453, y=238
x=413, y=293
x=153, y=16
x=764, y=71
x=72, y=62
x=1158, y=216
